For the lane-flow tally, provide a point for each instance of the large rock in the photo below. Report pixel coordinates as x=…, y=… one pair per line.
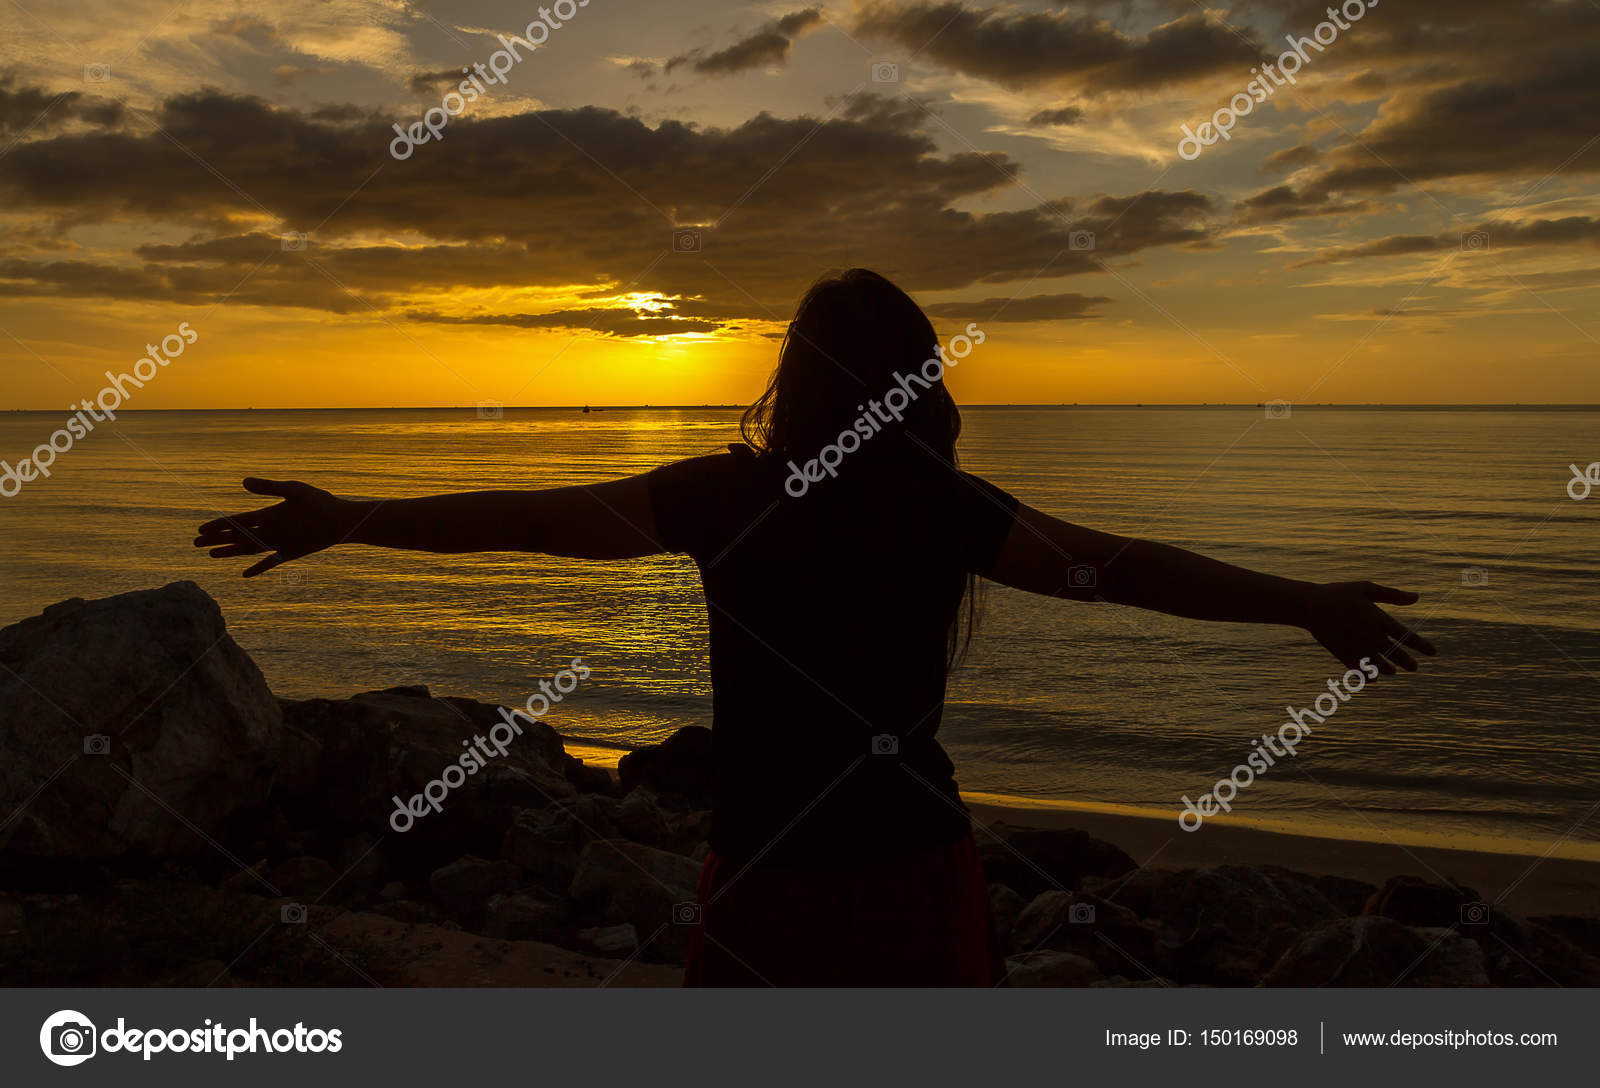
x=381, y=745
x=1375, y=951
x=463, y=888
x=628, y=882
x=680, y=767
x=1418, y=902
x=526, y=916
x=548, y=841
x=1110, y=936
x=1036, y=860
x=1234, y=920
x=1055, y=969
x=133, y=723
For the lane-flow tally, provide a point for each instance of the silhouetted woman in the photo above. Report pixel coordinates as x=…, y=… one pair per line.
x=840, y=548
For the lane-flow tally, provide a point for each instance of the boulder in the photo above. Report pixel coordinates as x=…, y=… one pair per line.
x=680, y=766
x=1233, y=921
x=463, y=888
x=1520, y=952
x=527, y=916
x=1036, y=860
x=1112, y=937
x=619, y=881
x=131, y=725
x=305, y=878
x=591, y=778
x=1036, y=969
x=1005, y=905
x=1418, y=902
x=383, y=745
x=610, y=940
x=640, y=818
x=548, y=841
x=1376, y=951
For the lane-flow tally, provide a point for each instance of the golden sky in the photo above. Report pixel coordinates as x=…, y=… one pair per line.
x=1404, y=209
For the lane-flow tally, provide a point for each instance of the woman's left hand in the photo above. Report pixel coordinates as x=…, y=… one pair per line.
x=1345, y=618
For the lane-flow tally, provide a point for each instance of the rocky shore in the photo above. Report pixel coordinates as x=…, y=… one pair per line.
x=168, y=820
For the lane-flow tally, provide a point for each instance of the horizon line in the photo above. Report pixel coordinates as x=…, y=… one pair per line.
x=592, y=407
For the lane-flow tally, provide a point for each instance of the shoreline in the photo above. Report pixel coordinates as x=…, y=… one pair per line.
x=1515, y=874
x=1522, y=883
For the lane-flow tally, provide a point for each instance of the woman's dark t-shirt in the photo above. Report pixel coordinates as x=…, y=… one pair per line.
x=830, y=616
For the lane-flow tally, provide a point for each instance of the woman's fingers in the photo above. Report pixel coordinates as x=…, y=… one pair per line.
x=228, y=551
x=235, y=521
x=1399, y=657
x=1405, y=636
x=284, y=489
x=265, y=565
x=1390, y=595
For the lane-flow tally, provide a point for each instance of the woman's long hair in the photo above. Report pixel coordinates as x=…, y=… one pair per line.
x=852, y=335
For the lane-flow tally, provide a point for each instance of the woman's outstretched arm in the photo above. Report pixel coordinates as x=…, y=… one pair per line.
x=612, y=520
x=1044, y=555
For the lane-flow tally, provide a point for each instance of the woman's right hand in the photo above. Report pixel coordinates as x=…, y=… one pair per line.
x=308, y=520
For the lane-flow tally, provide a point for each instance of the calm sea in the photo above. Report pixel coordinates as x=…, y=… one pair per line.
x=1498, y=739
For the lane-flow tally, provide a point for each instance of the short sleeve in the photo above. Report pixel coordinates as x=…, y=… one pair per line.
x=688, y=500
x=987, y=513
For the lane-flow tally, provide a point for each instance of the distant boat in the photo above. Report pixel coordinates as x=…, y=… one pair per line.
x=585, y=409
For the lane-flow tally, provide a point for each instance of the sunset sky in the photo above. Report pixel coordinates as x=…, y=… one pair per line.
x=1415, y=219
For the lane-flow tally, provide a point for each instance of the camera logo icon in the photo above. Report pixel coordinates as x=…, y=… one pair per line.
x=96, y=744
x=1081, y=239
x=491, y=409
x=686, y=914
x=686, y=240
x=885, y=71
x=1474, y=914
x=1278, y=409
x=293, y=242
x=885, y=744
x=1082, y=576
x=1475, y=241
x=97, y=73
x=292, y=914
x=1081, y=914
x=1474, y=576
x=67, y=1038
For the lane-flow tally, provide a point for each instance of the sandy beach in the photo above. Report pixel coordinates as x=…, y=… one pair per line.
x=1524, y=878
x=1523, y=883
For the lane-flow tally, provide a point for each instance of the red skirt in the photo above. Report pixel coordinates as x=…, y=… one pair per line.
x=922, y=920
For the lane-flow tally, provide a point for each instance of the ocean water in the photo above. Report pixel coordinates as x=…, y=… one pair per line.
x=1496, y=743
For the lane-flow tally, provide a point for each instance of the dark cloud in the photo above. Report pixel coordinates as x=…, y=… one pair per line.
x=32, y=110
x=1496, y=234
x=1290, y=158
x=1060, y=307
x=1066, y=115
x=1282, y=203
x=554, y=198
x=1475, y=90
x=435, y=82
x=606, y=322
x=760, y=50
x=1029, y=49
